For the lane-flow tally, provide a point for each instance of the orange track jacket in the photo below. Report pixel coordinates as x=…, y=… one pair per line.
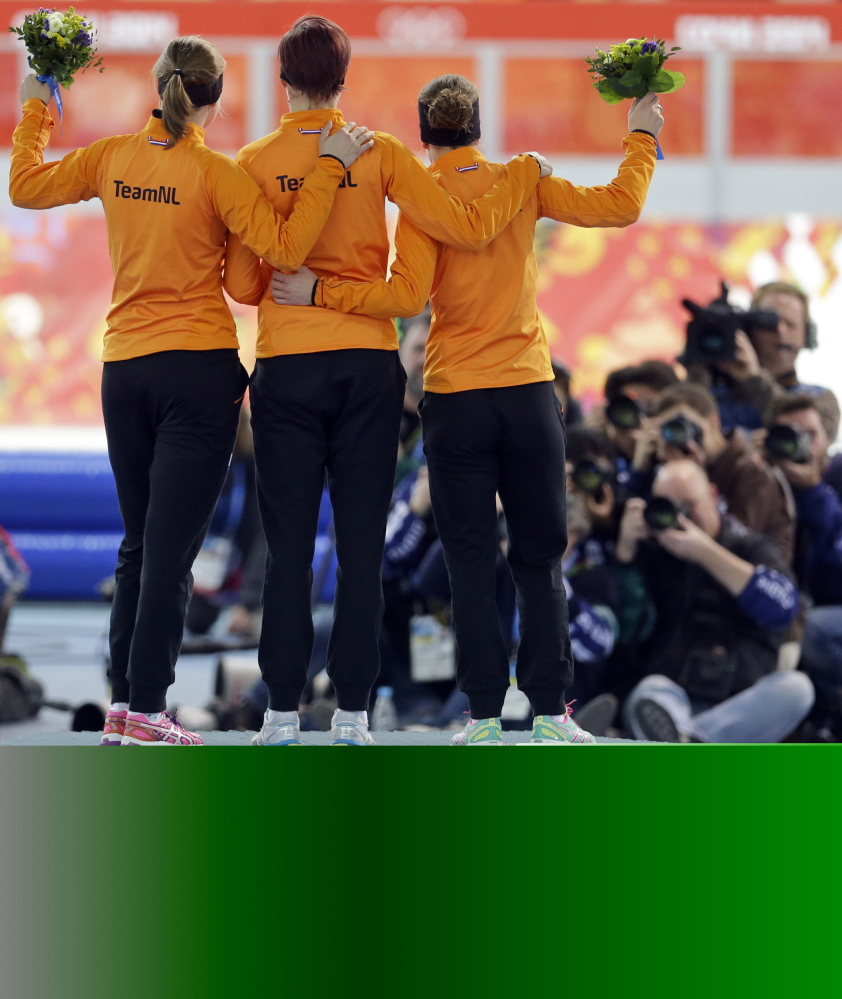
x=486, y=331
x=354, y=241
x=168, y=212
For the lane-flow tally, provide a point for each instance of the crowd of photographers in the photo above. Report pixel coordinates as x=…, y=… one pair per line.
x=714, y=505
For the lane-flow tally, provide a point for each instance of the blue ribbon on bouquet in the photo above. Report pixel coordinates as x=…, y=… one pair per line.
x=659, y=155
x=55, y=90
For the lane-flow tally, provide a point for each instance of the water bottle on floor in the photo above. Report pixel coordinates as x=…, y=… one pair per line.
x=384, y=717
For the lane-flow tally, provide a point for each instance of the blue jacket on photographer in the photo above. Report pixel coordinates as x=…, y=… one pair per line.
x=797, y=442
x=748, y=360
x=592, y=507
x=410, y=529
x=704, y=600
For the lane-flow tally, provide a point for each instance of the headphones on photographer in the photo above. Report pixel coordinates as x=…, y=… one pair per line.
x=811, y=332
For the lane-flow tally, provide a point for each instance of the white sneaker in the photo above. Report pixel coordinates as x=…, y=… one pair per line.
x=345, y=732
x=278, y=733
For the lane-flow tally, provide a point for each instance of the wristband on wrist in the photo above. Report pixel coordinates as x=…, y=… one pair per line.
x=330, y=156
x=644, y=131
x=313, y=292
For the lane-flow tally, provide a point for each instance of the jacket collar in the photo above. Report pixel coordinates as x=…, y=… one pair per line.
x=157, y=133
x=460, y=160
x=310, y=121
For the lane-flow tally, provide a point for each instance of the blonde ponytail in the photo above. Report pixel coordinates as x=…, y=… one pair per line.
x=188, y=61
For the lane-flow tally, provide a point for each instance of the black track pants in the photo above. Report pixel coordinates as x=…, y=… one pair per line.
x=338, y=413
x=509, y=441
x=171, y=420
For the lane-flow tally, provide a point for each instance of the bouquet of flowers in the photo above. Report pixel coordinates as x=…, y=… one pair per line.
x=59, y=45
x=634, y=68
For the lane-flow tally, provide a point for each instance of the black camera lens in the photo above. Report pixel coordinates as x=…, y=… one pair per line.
x=623, y=412
x=787, y=444
x=588, y=476
x=761, y=319
x=679, y=431
x=660, y=513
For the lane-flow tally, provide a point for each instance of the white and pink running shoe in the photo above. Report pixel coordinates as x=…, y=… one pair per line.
x=140, y=731
x=115, y=726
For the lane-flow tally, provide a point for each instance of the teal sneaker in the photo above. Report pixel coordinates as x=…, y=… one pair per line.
x=546, y=731
x=349, y=731
x=480, y=732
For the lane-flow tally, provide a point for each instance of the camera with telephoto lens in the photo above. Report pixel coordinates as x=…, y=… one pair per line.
x=788, y=444
x=588, y=476
x=712, y=332
x=680, y=431
x=661, y=513
x=623, y=412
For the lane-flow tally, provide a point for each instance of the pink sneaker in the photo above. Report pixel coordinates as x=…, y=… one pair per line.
x=140, y=731
x=115, y=726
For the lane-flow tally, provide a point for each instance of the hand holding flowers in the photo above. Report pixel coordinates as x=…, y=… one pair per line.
x=646, y=114
x=59, y=45
x=33, y=87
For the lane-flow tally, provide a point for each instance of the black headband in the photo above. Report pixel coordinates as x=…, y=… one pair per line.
x=449, y=136
x=200, y=94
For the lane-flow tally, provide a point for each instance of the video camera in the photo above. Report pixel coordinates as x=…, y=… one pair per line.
x=712, y=332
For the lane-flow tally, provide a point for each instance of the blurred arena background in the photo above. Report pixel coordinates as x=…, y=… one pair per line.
x=749, y=189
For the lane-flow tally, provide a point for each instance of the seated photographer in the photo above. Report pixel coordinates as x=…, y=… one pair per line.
x=684, y=423
x=722, y=600
x=761, y=348
x=629, y=393
x=797, y=442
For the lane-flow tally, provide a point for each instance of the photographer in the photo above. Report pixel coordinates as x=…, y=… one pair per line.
x=797, y=442
x=589, y=582
x=759, y=359
x=684, y=423
x=722, y=598
x=629, y=393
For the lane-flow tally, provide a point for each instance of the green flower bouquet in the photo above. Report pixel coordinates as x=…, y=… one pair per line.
x=59, y=45
x=633, y=68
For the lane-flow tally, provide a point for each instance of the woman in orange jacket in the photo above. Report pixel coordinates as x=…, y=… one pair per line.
x=491, y=421
x=172, y=382
x=327, y=392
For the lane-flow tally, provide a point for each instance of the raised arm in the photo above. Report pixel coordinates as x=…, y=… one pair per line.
x=403, y=294
x=468, y=226
x=619, y=203
x=36, y=184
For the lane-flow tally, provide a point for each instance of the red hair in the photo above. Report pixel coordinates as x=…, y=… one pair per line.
x=314, y=56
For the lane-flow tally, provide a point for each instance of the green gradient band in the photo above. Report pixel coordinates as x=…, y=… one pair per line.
x=630, y=871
